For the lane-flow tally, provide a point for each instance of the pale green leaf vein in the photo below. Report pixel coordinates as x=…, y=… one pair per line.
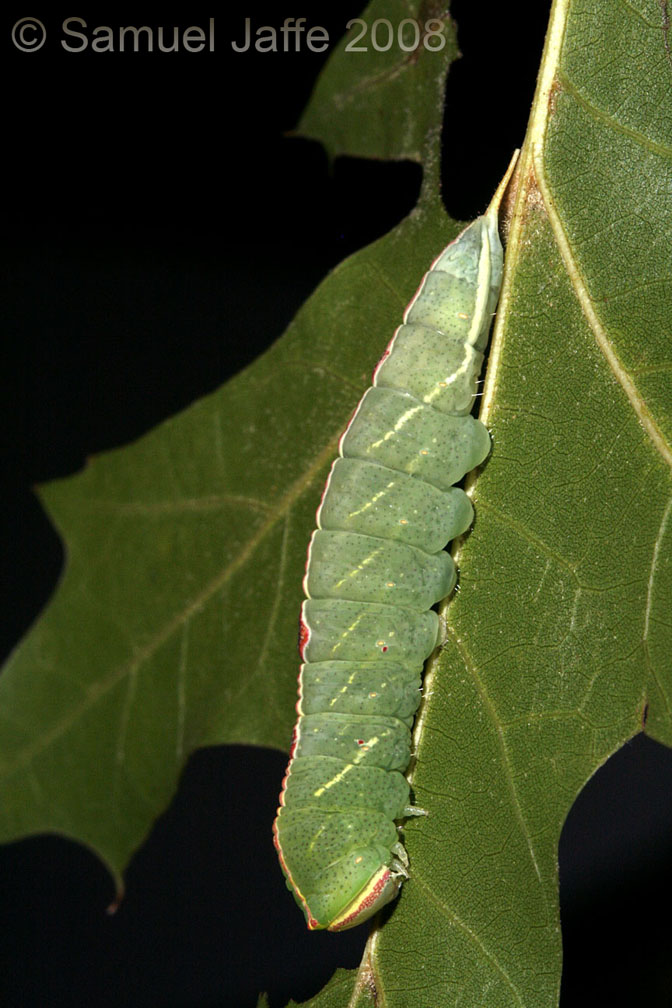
x=601, y=337
x=607, y=118
x=533, y=540
x=638, y=14
x=655, y=560
x=128, y=669
x=260, y=664
x=209, y=503
x=471, y=934
x=504, y=753
x=182, y=694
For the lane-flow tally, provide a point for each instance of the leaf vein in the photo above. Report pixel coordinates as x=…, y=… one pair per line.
x=453, y=917
x=529, y=537
x=506, y=763
x=161, y=635
x=661, y=150
x=649, y=598
x=601, y=338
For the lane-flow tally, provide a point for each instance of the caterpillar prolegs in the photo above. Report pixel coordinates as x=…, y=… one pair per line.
x=376, y=566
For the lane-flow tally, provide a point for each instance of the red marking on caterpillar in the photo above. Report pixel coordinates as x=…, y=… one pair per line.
x=370, y=900
x=304, y=636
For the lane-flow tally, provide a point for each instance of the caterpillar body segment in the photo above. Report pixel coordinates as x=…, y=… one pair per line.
x=376, y=567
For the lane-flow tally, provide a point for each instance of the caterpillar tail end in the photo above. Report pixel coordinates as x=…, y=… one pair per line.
x=382, y=888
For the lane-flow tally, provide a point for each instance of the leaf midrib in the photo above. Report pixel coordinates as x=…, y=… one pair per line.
x=531, y=172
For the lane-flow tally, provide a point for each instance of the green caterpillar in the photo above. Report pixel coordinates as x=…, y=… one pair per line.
x=376, y=566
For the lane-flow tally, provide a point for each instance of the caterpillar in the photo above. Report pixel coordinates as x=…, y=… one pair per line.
x=376, y=565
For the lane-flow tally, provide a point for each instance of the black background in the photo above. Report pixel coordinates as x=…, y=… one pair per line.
x=146, y=195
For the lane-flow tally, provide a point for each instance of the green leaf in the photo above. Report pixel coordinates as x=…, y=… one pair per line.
x=346, y=987
x=175, y=623
x=557, y=644
x=374, y=103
